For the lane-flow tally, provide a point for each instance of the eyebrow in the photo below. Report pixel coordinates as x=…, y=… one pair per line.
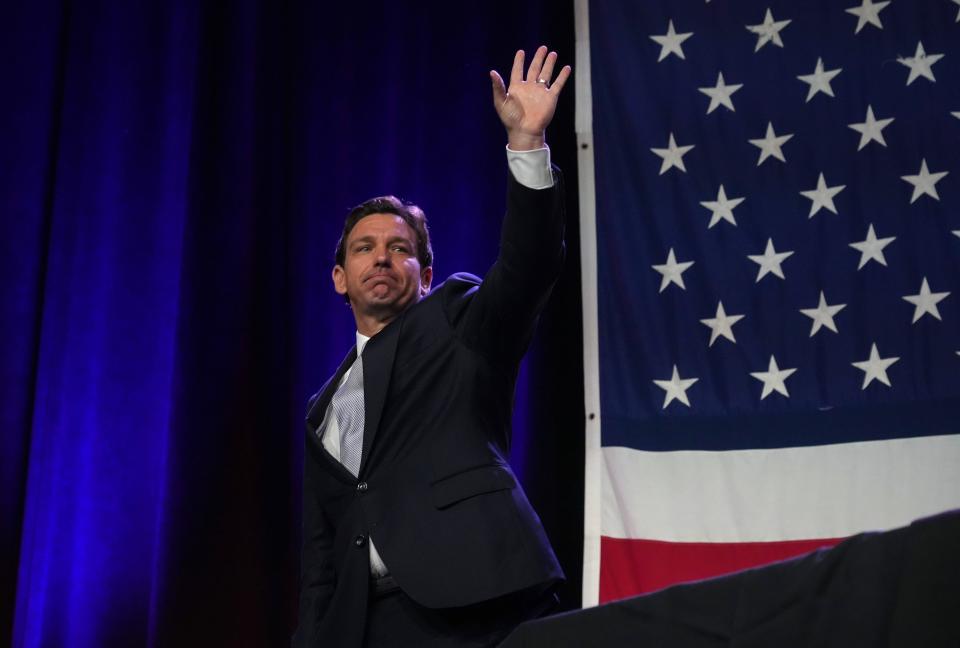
x=369, y=238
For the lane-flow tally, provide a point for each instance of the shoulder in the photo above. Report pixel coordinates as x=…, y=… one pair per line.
x=456, y=283
x=451, y=297
x=457, y=287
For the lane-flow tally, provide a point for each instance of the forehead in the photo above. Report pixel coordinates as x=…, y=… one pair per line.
x=381, y=225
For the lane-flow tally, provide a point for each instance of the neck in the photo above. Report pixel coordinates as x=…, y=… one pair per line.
x=370, y=325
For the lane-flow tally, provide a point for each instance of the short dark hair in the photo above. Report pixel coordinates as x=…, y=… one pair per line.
x=411, y=215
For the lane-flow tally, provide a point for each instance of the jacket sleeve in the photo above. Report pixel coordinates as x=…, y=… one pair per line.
x=317, y=576
x=501, y=316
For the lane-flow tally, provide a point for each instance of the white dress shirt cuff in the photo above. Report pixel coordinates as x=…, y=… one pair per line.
x=531, y=168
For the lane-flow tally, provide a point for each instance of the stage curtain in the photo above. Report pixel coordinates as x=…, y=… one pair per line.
x=173, y=178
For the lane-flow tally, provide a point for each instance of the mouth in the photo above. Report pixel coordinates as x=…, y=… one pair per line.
x=380, y=283
x=380, y=277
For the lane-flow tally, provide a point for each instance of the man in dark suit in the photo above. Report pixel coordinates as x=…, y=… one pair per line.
x=416, y=532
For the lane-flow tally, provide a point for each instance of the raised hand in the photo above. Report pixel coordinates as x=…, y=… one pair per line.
x=527, y=106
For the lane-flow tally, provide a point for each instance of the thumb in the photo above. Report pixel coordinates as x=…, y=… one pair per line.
x=499, y=89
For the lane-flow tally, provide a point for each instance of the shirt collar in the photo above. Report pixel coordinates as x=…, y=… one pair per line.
x=361, y=342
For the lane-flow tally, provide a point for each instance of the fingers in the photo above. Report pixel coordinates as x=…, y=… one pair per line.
x=541, y=69
x=533, y=72
x=516, y=73
x=561, y=79
x=547, y=71
x=499, y=91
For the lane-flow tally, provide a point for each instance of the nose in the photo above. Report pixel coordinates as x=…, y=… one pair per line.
x=383, y=258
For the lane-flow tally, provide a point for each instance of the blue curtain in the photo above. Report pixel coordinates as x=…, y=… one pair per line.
x=173, y=178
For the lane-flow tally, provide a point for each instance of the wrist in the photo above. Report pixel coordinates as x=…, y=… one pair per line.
x=525, y=141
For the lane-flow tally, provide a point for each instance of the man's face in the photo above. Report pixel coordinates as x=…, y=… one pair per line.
x=380, y=273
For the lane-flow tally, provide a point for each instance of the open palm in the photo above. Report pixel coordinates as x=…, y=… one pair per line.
x=527, y=106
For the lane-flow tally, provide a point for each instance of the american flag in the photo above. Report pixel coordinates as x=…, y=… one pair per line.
x=775, y=329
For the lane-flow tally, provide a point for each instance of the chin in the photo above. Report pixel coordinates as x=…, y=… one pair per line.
x=385, y=305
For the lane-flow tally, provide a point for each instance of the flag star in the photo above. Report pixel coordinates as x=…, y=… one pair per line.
x=770, y=145
x=956, y=114
x=924, y=183
x=773, y=379
x=822, y=315
x=871, y=129
x=672, y=155
x=670, y=43
x=722, y=208
x=819, y=81
x=769, y=261
x=957, y=2
x=822, y=196
x=720, y=94
x=920, y=64
x=871, y=248
x=672, y=271
x=956, y=233
x=925, y=302
x=768, y=31
x=875, y=367
x=721, y=325
x=675, y=388
x=868, y=12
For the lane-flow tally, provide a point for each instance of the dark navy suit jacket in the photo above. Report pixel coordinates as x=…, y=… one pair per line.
x=434, y=489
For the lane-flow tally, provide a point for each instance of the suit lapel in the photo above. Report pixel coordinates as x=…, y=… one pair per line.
x=319, y=408
x=378, y=357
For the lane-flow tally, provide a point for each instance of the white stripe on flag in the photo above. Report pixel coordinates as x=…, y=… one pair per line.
x=829, y=491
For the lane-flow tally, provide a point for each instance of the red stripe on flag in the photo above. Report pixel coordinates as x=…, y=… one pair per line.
x=631, y=567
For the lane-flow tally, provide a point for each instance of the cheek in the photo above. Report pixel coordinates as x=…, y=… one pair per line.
x=354, y=271
x=413, y=274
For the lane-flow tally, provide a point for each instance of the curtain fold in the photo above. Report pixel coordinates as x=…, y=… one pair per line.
x=32, y=58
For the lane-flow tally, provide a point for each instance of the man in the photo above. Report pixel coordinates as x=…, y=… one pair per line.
x=416, y=532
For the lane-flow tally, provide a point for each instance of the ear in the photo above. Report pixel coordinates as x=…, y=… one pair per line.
x=339, y=280
x=426, y=277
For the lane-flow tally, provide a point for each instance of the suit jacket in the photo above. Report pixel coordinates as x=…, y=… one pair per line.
x=434, y=489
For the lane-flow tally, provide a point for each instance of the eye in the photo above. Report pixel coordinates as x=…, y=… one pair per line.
x=400, y=248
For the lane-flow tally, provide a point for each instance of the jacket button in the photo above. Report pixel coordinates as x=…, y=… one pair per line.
x=362, y=487
x=360, y=540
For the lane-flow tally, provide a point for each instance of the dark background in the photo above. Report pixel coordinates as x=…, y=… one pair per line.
x=173, y=177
